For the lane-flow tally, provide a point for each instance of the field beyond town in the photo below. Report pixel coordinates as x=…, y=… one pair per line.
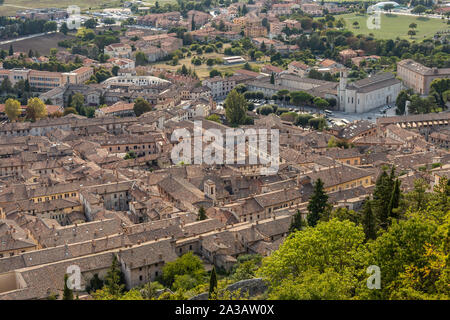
x=10, y=7
x=394, y=25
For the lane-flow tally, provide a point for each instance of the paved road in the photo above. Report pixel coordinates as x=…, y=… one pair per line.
x=26, y=38
x=372, y=115
x=14, y=6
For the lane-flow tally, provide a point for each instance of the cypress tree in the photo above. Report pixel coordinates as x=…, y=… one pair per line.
x=212, y=283
x=368, y=220
x=272, y=78
x=235, y=108
x=395, y=199
x=193, y=23
x=318, y=204
x=297, y=222
x=11, y=50
x=382, y=195
x=263, y=47
x=112, y=279
x=68, y=293
x=202, y=214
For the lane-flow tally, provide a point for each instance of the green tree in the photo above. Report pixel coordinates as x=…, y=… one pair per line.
x=437, y=88
x=186, y=264
x=297, y=222
x=213, y=284
x=70, y=110
x=50, y=26
x=324, y=262
x=141, y=59
x=246, y=267
x=130, y=155
x=141, y=106
x=317, y=123
x=193, y=23
x=235, y=108
x=36, y=109
x=214, y=73
x=400, y=102
x=368, y=220
x=67, y=293
x=113, y=284
x=419, y=9
x=6, y=86
x=64, y=29
x=13, y=109
x=11, y=50
x=402, y=249
x=300, y=97
x=214, y=117
x=90, y=23
x=395, y=200
x=272, y=78
x=381, y=198
x=320, y=103
x=201, y=214
x=95, y=283
x=318, y=204
x=418, y=197
x=77, y=102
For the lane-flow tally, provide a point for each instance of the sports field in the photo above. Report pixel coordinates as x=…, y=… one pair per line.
x=393, y=26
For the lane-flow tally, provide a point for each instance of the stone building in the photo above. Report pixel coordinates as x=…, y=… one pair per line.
x=418, y=77
x=367, y=94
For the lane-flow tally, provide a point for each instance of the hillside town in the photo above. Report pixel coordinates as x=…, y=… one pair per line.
x=89, y=130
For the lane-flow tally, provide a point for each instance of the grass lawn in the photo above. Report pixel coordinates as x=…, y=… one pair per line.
x=203, y=70
x=10, y=7
x=161, y=2
x=393, y=26
x=41, y=44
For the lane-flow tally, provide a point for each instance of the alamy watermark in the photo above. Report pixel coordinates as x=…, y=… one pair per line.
x=74, y=278
x=374, y=281
x=374, y=18
x=74, y=19
x=236, y=146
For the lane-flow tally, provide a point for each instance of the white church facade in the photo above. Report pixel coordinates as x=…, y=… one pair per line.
x=369, y=93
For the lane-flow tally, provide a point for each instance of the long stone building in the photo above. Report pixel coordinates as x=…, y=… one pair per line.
x=418, y=77
x=367, y=94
